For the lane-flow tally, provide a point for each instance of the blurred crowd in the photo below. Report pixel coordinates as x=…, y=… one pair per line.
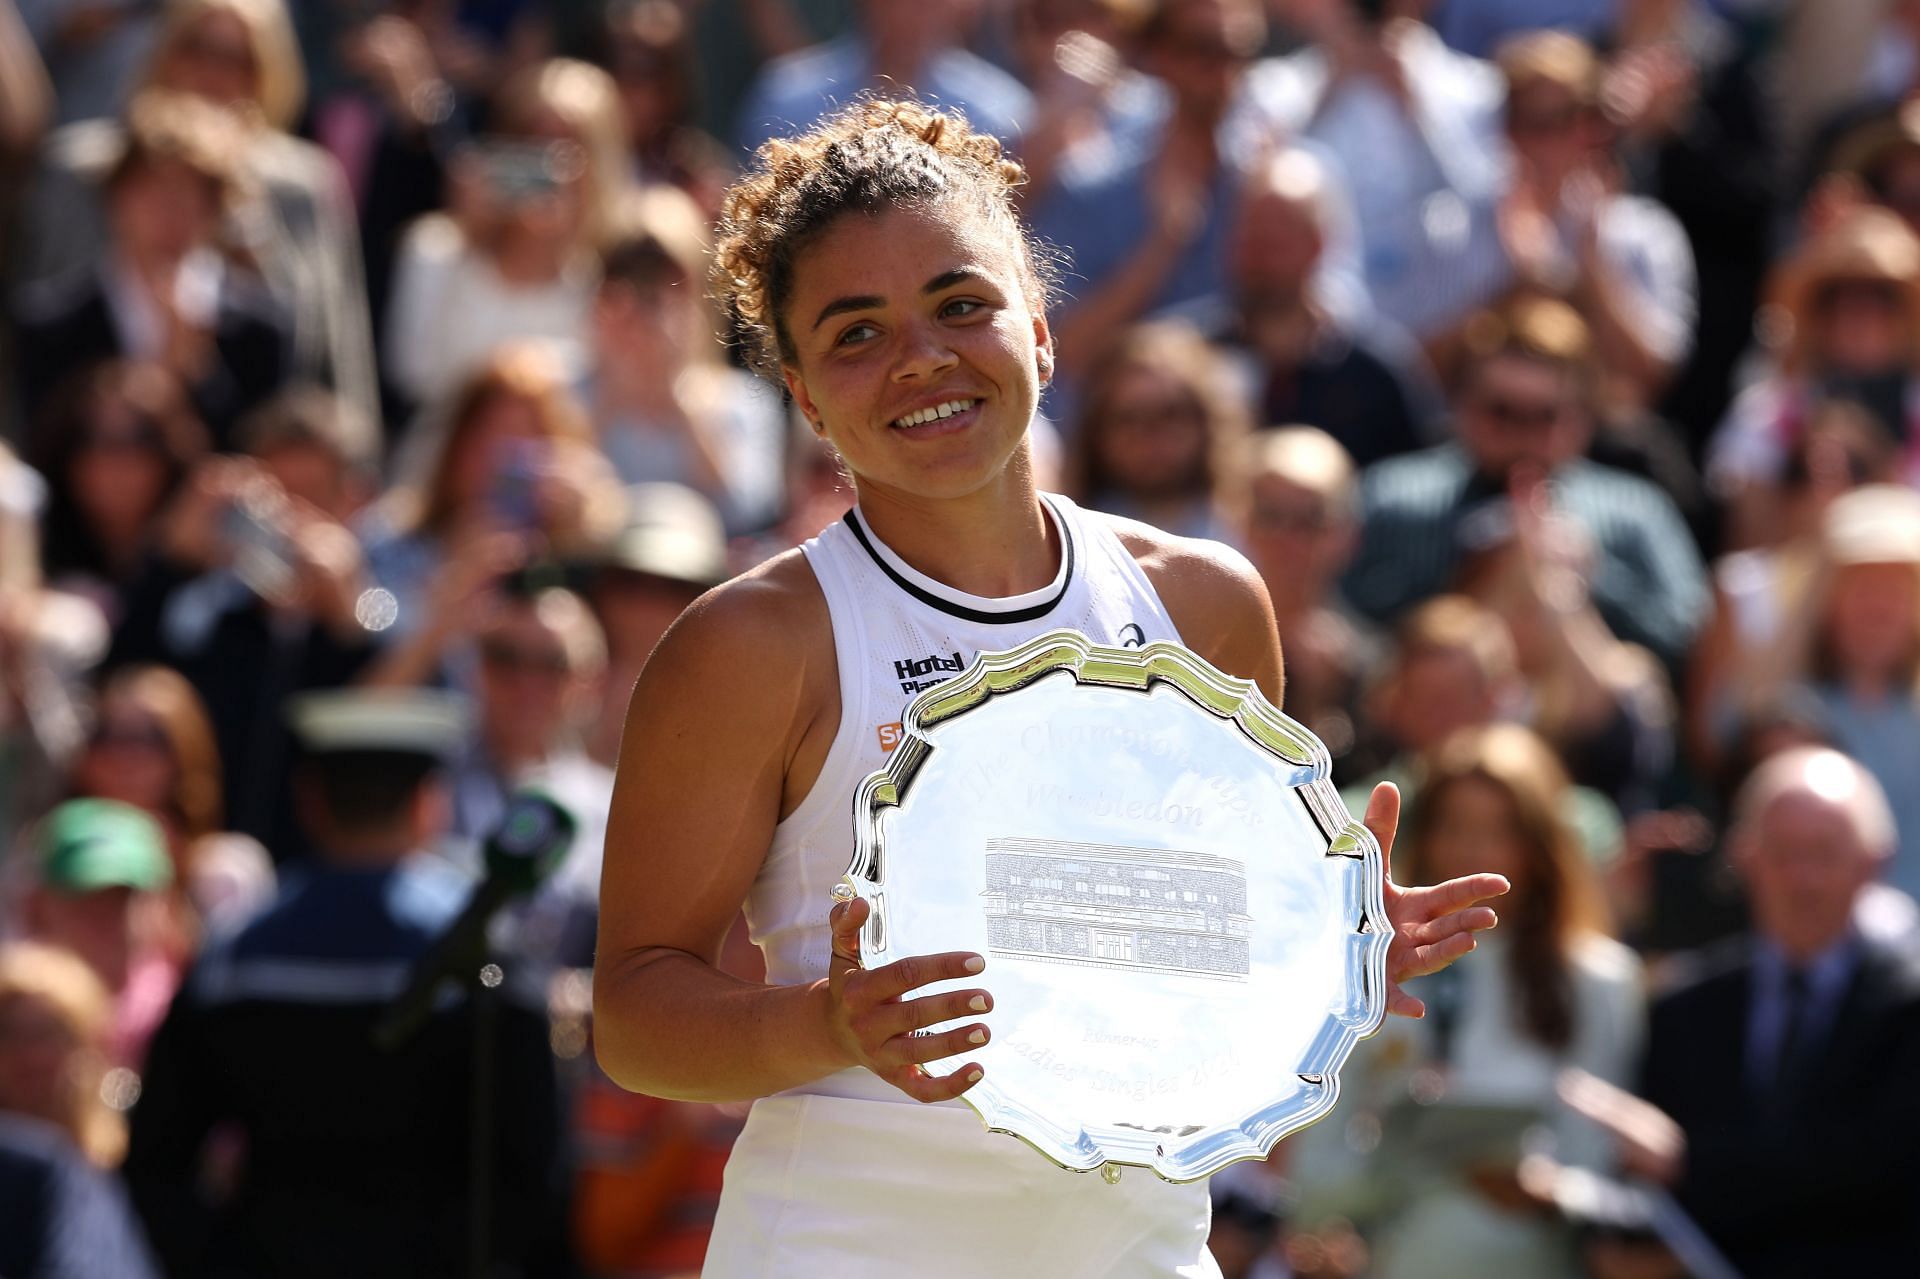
x=1556, y=362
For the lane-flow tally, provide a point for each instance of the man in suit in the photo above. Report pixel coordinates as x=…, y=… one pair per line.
x=1787, y=1062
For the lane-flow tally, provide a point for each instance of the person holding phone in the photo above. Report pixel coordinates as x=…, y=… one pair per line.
x=877, y=267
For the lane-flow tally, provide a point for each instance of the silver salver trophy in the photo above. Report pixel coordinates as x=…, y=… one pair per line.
x=1184, y=928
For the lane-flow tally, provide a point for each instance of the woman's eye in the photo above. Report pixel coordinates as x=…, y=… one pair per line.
x=961, y=307
x=855, y=334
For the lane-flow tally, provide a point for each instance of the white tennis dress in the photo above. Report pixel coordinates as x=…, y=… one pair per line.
x=848, y=1177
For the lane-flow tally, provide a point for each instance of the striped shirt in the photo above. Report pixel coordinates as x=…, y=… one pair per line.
x=1647, y=579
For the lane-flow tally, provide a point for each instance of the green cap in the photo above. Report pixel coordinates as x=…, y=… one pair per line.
x=90, y=844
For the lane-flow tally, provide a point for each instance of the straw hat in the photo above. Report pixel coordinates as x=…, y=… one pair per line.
x=1874, y=524
x=1868, y=244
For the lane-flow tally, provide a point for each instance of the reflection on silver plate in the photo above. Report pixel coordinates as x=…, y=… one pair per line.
x=1184, y=927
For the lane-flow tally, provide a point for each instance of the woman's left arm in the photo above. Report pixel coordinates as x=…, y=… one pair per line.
x=1224, y=614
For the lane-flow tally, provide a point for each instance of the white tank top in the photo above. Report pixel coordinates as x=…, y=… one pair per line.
x=896, y=632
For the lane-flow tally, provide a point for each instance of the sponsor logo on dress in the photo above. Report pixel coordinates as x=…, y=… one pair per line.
x=913, y=676
x=1132, y=636
x=890, y=735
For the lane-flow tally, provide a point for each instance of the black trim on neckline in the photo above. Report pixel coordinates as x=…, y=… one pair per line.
x=1031, y=613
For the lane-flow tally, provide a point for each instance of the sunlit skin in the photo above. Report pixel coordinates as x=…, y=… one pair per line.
x=1873, y=625
x=889, y=313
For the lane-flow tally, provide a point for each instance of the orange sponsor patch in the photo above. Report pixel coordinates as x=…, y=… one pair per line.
x=890, y=735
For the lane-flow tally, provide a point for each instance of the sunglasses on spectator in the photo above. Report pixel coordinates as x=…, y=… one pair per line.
x=1537, y=124
x=1883, y=294
x=201, y=47
x=130, y=736
x=506, y=656
x=134, y=439
x=1292, y=517
x=1532, y=415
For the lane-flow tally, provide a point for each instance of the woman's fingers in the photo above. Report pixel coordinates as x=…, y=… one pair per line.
x=922, y=1085
x=902, y=975
x=924, y=1046
x=903, y=1017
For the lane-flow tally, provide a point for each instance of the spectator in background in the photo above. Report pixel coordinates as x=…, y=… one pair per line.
x=159, y=290
x=55, y=1016
x=62, y=1215
x=1299, y=524
x=1605, y=705
x=1779, y=1068
x=907, y=48
x=1521, y=420
x=293, y=221
x=1146, y=213
x=1075, y=55
x=1756, y=589
x=672, y=550
x=114, y=446
x=1554, y=990
x=1562, y=228
x=1453, y=668
x=649, y=51
x=1415, y=127
x=514, y=257
x=1160, y=434
x=256, y=588
x=1363, y=382
x=543, y=666
x=1853, y=639
x=666, y=405
x=359, y=1159
x=99, y=870
x=514, y=476
x=1850, y=302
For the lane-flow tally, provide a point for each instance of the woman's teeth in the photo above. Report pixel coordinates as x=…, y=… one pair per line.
x=937, y=411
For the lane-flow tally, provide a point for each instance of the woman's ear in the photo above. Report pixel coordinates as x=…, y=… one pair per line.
x=804, y=402
x=1043, y=347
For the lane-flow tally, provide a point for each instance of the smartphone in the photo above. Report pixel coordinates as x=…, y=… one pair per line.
x=513, y=496
x=263, y=553
x=519, y=171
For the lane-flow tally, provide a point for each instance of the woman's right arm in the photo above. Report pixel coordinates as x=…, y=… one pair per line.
x=731, y=697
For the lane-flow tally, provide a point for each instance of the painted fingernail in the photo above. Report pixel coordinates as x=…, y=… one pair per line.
x=978, y=1036
x=974, y=1076
x=978, y=1003
x=975, y=964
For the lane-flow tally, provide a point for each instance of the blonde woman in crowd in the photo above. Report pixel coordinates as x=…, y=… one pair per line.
x=514, y=255
x=297, y=226
x=54, y=1018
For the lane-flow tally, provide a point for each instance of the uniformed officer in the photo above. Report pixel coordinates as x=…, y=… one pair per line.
x=354, y=1158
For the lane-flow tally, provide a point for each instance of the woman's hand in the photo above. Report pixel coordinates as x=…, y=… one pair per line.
x=883, y=1031
x=1432, y=927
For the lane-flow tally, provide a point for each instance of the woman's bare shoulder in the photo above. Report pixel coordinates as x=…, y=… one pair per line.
x=1213, y=594
x=772, y=619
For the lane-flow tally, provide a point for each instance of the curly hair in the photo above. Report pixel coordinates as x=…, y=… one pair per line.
x=874, y=155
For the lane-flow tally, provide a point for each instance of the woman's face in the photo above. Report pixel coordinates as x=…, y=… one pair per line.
x=36, y=1059
x=1474, y=829
x=1151, y=438
x=1861, y=327
x=128, y=758
x=900, y=316
x=1873, y=618
x=212, y=58
x=162, y=209
x=118, y=471
x=502, y=425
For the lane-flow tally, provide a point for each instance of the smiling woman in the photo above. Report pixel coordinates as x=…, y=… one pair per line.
x=876, y=267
